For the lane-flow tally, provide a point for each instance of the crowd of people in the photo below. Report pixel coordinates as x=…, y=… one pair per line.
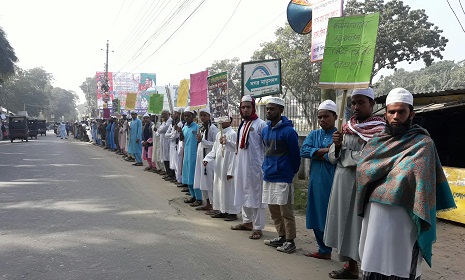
x=373, y=191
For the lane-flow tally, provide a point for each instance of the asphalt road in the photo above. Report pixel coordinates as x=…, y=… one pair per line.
x=71, y=210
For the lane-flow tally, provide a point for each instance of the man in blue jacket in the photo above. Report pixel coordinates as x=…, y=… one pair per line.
x=282, y=161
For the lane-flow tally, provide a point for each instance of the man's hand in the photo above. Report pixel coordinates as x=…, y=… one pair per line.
x=205, y=163
x=337, y=139
x=223, y=140
x=199, y=137
x=229, y=177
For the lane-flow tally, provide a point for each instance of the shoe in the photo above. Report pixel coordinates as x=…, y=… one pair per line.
x=138, y=164
x=181, y=185
x=275, y=242
x=318, y=255
x=288, y=247
x=231, y=217
x=189, y=200
x=185, y=190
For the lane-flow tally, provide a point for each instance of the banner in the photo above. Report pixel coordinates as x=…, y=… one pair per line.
x=156, y=103
x=198, y=90
x=106, y=113
x=349, y=52
x=218, y=97
x=131, y=101
x=183, y=93
x=322, y=12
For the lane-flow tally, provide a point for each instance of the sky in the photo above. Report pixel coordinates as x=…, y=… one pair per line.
x=68, y=38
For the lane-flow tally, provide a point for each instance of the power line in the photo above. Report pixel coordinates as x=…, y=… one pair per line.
x=460, y=2
x=218, y=35
x=455, y=16
x=172, y=34
x=117, y=15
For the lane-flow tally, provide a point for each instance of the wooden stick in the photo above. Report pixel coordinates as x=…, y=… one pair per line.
x=341, y=111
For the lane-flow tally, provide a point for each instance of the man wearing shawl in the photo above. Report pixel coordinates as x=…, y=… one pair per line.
x=203, y=179
x=135, y=139
x=248, y=175
x=343, y=225
x=188, y=136
x=147, y=141
x=400, y=186
x=316, y=147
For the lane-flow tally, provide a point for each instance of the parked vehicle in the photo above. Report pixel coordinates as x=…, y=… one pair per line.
x=33, y=126
x=18, y=128
x=42, y=127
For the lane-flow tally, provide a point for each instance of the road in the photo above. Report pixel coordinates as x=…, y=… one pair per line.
x=71, y=210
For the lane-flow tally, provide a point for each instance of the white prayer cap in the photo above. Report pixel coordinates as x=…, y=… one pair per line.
x=246, y=98
x=399, y=95
x=368, y=92
x=188, y=110
x=146, y=115
x=277, y=101
x=205, y=110
x=328, y=105
x=133, y=112
x=180, y=110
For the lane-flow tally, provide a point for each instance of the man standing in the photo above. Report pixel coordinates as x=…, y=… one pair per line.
x=316, y=147
x=203, y=179
x=135, y=140
x=188, y=136
x=223, y=185
x=343, y=225
x=147, y=141
x=401, y=185
x=172, y=136
x=63, y=131
x=248, y=174
x=281, y=162
x=165, y=143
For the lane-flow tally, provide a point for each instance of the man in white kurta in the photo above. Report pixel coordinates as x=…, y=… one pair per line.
x=172, y=136
x=165, y=143
x=223, y=185
x=203, y=179
x=248, y=173
x=156, y=158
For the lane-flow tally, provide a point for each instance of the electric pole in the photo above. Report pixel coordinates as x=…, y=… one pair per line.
x=106, y=63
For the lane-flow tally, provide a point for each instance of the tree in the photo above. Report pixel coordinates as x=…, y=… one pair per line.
x=440, y=75
x=7, y=58
x=233, y=67
x=63, y=103
x=89, y=88
x=403, y=34
x=300, y=77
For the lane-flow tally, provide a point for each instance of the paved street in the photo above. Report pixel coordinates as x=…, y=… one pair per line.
x=71, y=210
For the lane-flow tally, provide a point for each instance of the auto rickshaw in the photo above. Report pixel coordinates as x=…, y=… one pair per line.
x=42, y=127
x=18, y=128
x=33, y=126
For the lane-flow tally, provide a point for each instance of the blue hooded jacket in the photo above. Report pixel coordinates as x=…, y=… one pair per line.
x=282, y=152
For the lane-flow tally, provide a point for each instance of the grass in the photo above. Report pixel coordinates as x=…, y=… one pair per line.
x=300, y=196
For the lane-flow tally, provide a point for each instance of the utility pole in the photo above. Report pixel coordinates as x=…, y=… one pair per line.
x=106, y=63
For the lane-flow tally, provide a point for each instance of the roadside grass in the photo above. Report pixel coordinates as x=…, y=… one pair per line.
x=300, y=196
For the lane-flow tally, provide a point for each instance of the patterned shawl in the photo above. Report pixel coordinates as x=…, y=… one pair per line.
x=365, y=129
x=405, y=171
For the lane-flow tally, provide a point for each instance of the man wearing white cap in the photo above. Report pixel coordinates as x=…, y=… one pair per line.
x=401, y=185
x=316, y=147
x=343, y=225
x=281, y=163
x=166, y=121
x=203, y=179
x=248, y=175
x=135, y=139
x=173, y=137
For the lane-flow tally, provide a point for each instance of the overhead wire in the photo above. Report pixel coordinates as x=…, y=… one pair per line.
x=172, y=34
x=460, y=2
x=456, y=16
x=218, y=35
x=117, y=15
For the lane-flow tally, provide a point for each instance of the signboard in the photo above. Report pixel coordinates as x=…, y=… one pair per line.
x=349, y=52
x=456, y=179
x=322, y=12
x=261, y=78
x=183, y=93
x=218, y=97
x=156, y=103
x=131, y=101
x=198, y=90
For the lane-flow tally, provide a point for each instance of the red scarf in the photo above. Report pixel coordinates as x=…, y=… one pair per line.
x=365, y=129
x=244, y=143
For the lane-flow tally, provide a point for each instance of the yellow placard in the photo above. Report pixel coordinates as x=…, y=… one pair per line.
x=456, y=179
x=131, y=101
x=183, y=92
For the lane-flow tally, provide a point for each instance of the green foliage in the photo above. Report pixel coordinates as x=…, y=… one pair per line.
x=403, y=35
x=7, y=58
x=441, y=75
x=89, y=88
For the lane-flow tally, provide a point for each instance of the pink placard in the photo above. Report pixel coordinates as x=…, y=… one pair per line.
x=106, y=113
x=199, y=89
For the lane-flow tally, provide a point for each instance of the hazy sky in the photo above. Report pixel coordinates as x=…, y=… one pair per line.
x=66, y=38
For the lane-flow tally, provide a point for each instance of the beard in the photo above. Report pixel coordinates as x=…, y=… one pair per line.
x=398, y=129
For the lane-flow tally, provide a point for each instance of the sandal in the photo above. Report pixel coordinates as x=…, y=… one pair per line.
x=318, y=255
x=212, y=212
x=204, y=208
x=231, y=217
x=343, y=274
x=189, y=200
x=220, y=215
x=147, y=169
x=256, y=234
x=240, y=227
x=196, y=203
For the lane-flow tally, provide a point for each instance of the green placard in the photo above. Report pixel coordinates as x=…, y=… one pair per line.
x=156, y=103
x=349, y=52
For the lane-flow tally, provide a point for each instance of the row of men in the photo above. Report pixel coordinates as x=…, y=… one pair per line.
x=373, y=191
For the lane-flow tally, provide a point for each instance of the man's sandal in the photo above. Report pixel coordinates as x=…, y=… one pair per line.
x=256, y=234
x=343, y=274
x=240, y=227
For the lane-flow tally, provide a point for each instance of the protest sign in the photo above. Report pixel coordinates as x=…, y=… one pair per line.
x=218, y=97
x=349, y=52
x=131, y=101
x=198, y=90
x=156, y=103
x=183, y=93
